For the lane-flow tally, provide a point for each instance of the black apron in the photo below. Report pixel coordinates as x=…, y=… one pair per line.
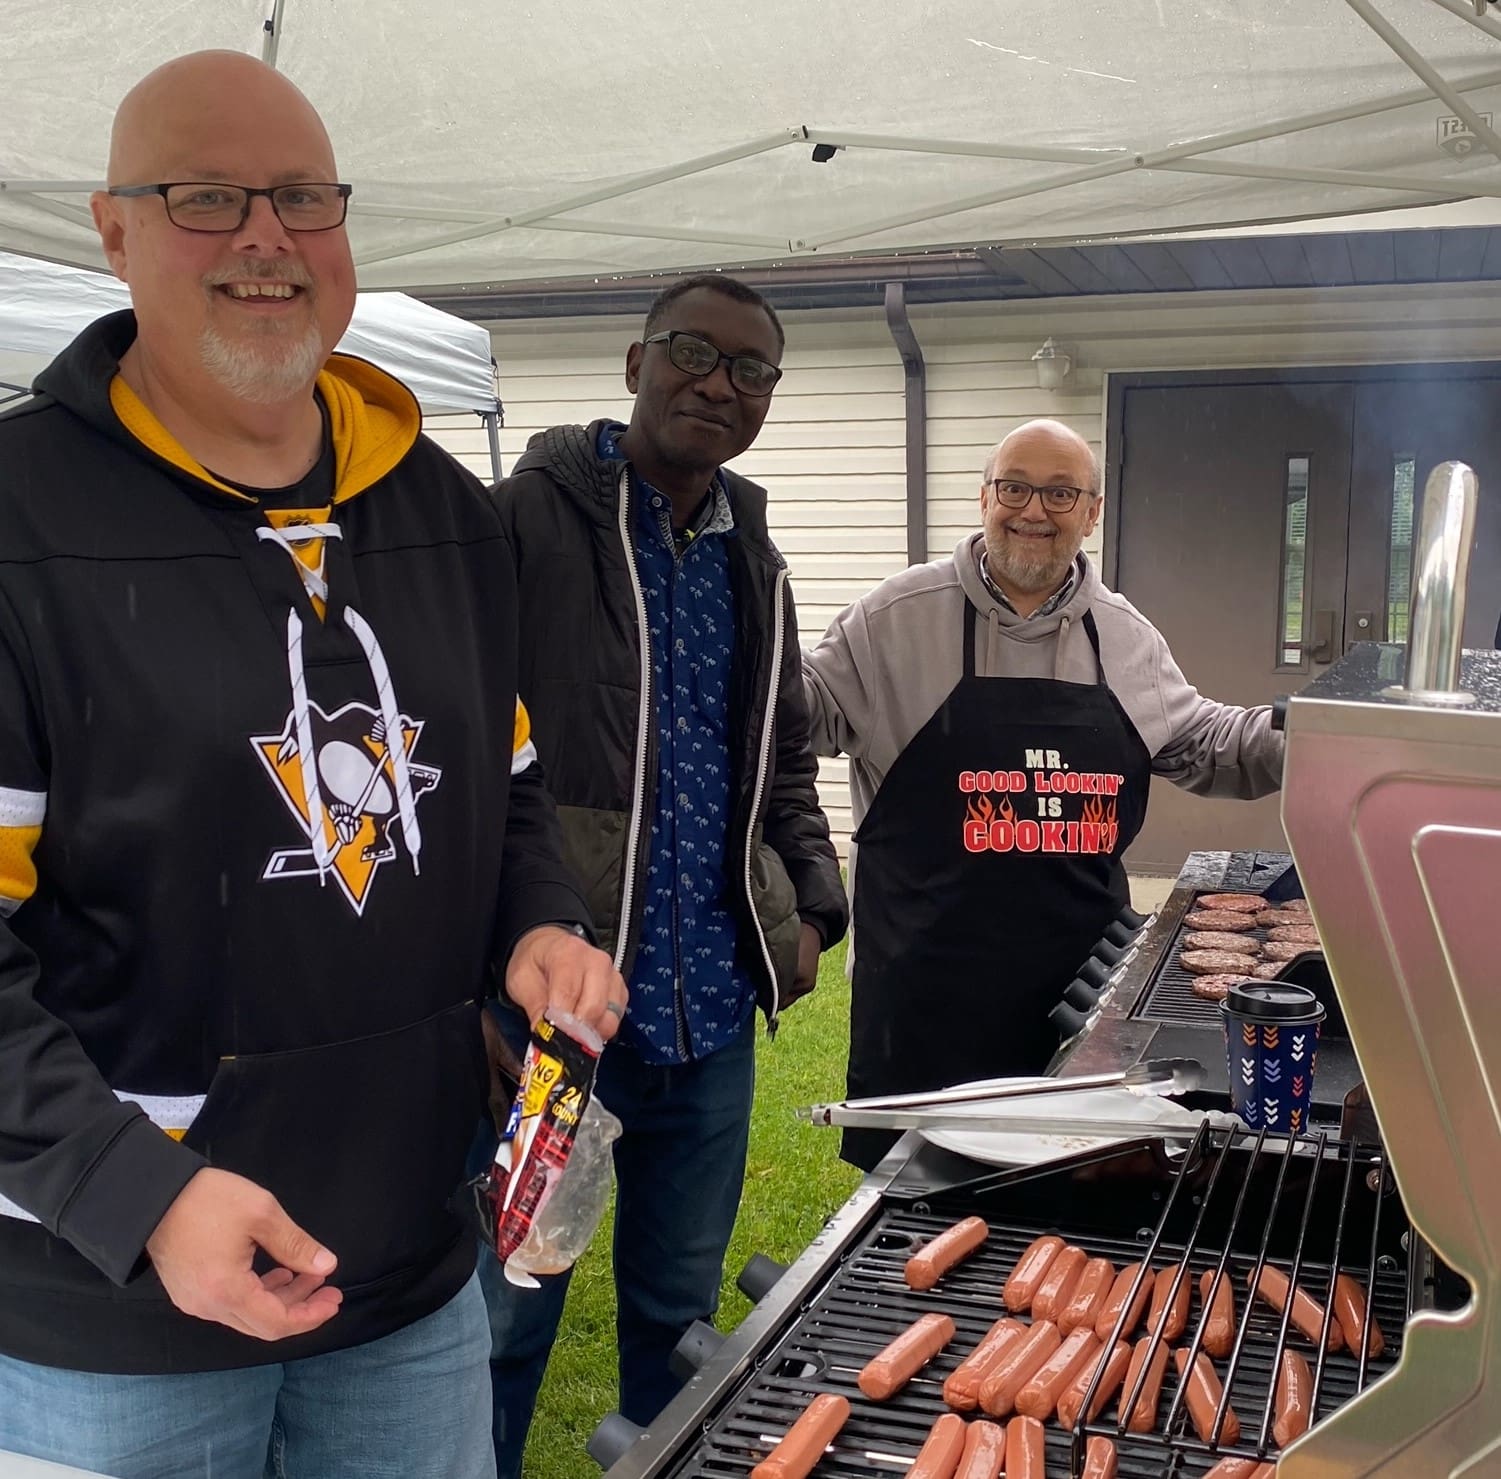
x=988, y=866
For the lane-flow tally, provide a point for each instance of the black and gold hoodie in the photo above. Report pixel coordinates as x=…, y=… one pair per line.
x=269, y=814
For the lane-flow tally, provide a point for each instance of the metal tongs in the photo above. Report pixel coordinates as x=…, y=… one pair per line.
x=1156, y=1076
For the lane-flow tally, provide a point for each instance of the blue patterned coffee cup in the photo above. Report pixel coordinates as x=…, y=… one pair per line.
x=1272, y=1053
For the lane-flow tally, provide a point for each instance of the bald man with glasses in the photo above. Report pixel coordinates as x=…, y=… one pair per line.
x=1004, y=714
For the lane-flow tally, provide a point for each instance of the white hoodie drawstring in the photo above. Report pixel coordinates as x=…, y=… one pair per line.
x=293, y=535
x=302, y=727
x=391, y=716
x=396, y=740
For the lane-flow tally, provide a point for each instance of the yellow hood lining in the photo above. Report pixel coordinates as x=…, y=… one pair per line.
x=373, y=418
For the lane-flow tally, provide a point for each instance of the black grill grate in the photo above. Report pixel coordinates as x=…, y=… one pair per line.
x=1296, y=1213
x=1170, y=996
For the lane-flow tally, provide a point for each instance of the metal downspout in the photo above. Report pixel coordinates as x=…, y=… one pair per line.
x=916, y=396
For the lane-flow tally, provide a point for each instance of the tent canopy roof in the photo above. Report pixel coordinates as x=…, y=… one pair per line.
x=444, y=361
x=593, y=137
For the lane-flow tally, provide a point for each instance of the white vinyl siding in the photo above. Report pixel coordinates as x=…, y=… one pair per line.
x=832, y=452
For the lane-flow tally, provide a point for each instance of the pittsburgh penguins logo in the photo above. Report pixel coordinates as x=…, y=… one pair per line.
x=357, y=790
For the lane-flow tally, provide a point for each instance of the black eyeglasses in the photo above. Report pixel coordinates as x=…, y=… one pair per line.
x=208, y=205
x=1057, y=499
x=695, y=356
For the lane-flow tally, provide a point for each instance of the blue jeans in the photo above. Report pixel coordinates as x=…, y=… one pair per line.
x=413, y=1405
x=679, y=1169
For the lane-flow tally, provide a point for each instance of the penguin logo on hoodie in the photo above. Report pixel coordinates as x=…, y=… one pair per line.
x=351, y=792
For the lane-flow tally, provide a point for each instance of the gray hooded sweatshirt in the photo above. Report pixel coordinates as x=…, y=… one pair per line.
x=888, y=662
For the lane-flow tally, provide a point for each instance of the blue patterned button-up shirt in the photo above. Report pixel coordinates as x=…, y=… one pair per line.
x=689, y=996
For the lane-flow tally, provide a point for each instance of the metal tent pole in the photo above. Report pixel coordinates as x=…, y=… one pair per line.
x=1425, y=71
x=492, y=427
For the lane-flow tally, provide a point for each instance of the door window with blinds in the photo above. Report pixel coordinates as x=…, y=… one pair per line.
x=1263, y=522
x=1399, y=555
x=1294, y=555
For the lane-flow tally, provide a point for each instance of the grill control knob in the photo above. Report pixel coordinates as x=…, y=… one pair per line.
x=1095, y=973
x=700, y=1341
x=758, y=1275
x=612, y=1439
x=1081, y=994
x=1069, y=1020
x=1108, y=952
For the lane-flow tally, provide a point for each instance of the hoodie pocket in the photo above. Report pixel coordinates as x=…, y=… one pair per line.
x=362, y=1142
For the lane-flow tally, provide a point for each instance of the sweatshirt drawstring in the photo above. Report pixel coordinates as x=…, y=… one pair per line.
x=395, y=725
x=302, y=727
x=992, y=635
x=293, y=535
x=393, y=722
x=1063, y=627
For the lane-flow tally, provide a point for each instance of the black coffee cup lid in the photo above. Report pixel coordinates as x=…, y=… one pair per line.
x=1273, y=1001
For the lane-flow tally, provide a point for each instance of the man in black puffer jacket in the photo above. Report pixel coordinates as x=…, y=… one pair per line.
x=661, y=671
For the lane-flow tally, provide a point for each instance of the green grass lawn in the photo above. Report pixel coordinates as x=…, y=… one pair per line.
x=794, y=1179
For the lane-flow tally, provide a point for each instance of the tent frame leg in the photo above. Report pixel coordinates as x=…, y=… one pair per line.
x=492, y=428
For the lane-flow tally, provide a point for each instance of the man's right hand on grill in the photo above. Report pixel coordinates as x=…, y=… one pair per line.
x=203, y=1251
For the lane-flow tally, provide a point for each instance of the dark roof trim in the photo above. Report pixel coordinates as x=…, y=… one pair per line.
x=999, y=273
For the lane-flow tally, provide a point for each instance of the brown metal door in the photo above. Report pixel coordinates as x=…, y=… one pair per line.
x=1230, y=532
x=1403, y=429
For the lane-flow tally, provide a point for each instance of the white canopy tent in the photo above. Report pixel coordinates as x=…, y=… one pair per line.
x=496, y=143
x=443, y=360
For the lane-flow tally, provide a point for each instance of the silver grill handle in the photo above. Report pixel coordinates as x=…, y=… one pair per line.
x=1440, y=582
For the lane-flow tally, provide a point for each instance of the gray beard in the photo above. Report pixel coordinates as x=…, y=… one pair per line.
x=1041, y=574
x=263, y=371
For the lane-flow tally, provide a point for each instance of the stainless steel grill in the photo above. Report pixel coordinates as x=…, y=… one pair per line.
x=1229, y=1205
x=1392, y=802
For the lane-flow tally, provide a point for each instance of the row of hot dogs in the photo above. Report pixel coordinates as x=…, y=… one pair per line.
x=1027, y=1373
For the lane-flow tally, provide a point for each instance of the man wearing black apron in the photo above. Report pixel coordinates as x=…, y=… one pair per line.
x=1003, y=713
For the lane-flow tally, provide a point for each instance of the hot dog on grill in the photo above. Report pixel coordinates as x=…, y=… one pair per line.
x=1026, y=1451
x=1117, y=1299
x=1095, y=1283
x=1203, y=1398
x=1219, y=1317
x=1143, y=1416
x=1173, y=1318
x=1099, y=1459
x=1058, y=1286
x=985, y=1445
x=932, y=1261
x=1219, y=919
x=1350, y=1311
x=802, y=1447
x=1294, y=1398
x=1307, y=1314
x=888, y=1372
x=940, y=1454
x=962, y=1388
x=1234, y=1468
x=1072, y=1400
x=1031, y=1269
x=1000, y=1389
x=1039, y=1397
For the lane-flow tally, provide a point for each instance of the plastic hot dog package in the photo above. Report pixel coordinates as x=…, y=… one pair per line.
x=546, y=1190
